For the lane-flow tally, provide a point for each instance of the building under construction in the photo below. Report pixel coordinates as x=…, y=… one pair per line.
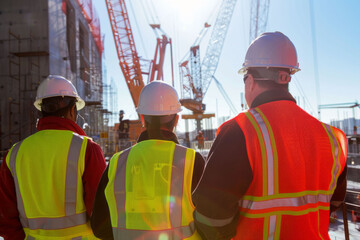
x=38, y=38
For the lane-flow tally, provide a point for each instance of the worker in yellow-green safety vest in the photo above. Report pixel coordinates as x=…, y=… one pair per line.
x=48, y=180
x=145, y=192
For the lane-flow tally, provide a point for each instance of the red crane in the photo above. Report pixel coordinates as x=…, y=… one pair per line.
x=129, y=60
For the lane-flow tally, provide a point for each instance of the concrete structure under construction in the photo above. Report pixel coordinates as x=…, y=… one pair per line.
x=43, y=37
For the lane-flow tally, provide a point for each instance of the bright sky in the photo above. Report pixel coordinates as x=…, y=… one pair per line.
x=337, y=37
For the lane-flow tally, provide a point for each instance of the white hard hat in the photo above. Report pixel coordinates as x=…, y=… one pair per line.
x=54, y=86
x=157, y=99
x=271, y=49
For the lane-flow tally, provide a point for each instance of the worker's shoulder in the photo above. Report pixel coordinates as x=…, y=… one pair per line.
x=229, y=126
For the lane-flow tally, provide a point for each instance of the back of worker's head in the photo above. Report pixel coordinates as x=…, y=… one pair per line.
x=271, y=59
x=158, y=105
x=56, y=96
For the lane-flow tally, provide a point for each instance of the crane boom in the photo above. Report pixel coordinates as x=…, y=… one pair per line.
x=259, y=11
x=214, y=48
x=125, y=45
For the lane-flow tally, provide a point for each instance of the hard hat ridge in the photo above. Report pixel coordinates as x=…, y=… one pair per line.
x=158, y=99
x=271, y=50
x=56, y=86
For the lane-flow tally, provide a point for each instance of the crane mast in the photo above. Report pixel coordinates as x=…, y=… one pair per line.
x=259, y=11
x=125, y=45
x=214, y=48
x=196, y=84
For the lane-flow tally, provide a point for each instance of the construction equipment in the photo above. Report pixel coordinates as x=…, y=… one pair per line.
x=259, y=11
x=132, y=66
x=351, y=105
x=195, y=83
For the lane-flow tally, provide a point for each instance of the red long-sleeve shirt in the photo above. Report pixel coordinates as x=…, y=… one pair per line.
x=10, y=226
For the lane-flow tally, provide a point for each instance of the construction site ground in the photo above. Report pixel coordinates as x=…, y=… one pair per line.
x=336, y=229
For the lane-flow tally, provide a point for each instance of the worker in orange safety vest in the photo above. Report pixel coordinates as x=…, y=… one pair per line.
x=145, y=192
x=274, y=171
x=48, y=180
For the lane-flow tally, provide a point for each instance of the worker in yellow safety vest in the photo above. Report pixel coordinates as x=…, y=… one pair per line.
x=48, y=180
x=274, y=171
x=145, y=192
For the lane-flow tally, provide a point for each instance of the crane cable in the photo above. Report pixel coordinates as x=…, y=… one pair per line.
x=316, y=72
x=302, y=93
x=138, y=29
x=211, y=17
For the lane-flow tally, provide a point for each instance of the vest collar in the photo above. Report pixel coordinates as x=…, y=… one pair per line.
x=272, y=96
x=59, y=123
x=163, y=135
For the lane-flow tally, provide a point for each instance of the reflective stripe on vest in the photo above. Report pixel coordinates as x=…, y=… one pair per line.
x=71, y=218
x=177, y=231
x=272, y=203
x=168, y=234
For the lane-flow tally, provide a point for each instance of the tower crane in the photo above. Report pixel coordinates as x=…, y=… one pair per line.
x=129, y=60
x=259, y=11
x=195, y=83
x=351, y=105
x=132, y=66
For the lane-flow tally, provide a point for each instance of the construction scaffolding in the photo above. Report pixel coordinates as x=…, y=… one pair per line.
x=62, y=40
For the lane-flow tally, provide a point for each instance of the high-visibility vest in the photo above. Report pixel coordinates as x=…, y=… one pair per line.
x=47, y=168
x=149, y=192
x=296, y=161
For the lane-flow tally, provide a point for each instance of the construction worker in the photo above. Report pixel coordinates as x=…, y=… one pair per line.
x=48, y=180
x=274, y=171
x=200, y=138
x=145, y=192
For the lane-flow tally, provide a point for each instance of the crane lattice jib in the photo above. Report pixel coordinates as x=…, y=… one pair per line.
x=125, y=46
x=259, y=11
x=214, y=48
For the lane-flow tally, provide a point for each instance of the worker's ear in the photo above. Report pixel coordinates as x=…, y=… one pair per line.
x=176, y=121
x=142, y=120
x=251, y=82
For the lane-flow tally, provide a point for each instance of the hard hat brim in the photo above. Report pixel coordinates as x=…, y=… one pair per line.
x=80, y=104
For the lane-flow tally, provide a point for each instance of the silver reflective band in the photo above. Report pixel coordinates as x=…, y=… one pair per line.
x=285, y=202
x=19, y=200
x=177, y=181
x=336, y=155
x=268, y=149
x=71, y=174
x=212, y=221
x=71, y=219
x=32, y=238
x=120, y=188
x=169, y=234
x=56, y=223
x=272, y=227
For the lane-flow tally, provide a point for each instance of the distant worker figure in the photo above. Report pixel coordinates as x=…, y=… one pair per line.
x=200, y=138
x=274, y=171
x=48, y=180
x=145, y=192
x=123, y=126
